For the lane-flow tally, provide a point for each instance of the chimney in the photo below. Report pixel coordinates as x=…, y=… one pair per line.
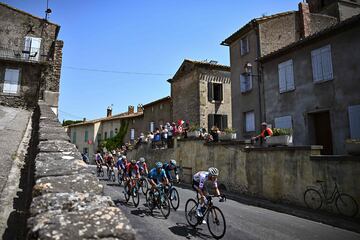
x=139, y=108
x=304, y=12
x=130, y=109
x=109, y=112
x=84, y=119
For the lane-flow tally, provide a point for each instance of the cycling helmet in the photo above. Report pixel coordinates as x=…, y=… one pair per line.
x=110, y=155
x=142, y=160
x=133, y=161
x=173, y=162
x=213, y=171
x=159, y=165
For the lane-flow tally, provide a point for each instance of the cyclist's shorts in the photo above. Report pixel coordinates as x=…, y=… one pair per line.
x=195, y=183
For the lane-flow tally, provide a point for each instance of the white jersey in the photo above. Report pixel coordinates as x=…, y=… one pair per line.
x=201, y=177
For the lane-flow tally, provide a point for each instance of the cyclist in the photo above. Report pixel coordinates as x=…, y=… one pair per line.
x=198, y=183
x=99, y=160
x=143, y=166
x=132, y=170
x=168, y=167
x=110, y=162
x=157, y=175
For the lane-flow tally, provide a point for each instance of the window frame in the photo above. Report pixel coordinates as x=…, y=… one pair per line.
x=286, y=66
x=245, y=122
x=18, y=88
x=247, y=50
x=211, y=92
x=281, y=119
x=314, y=54
x=243, y=77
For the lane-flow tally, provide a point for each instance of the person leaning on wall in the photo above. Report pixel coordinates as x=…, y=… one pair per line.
x=266, y=133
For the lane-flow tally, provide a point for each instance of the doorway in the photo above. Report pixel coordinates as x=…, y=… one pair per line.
x=320, y=131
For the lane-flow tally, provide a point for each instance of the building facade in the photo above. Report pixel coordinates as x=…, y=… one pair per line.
x=313, y=85
x=30, y=59
x=201, y=94
x=260, y=37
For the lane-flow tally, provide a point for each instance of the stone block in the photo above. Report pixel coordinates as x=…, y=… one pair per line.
x=83, y=183
x=49, y=168
x=51, y=98
x=58, y=156
x=56, y=146
x=99, y=223
x=54, y=136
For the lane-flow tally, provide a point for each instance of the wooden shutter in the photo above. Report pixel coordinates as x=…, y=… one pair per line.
x=283, y=122
x=250, y=121
x=221, y=92
x=316, y=65
x=289, y=76
x=11, y=81
x=282, y=78
x=242, y=83
x=326, y=63
x=210, y=121
x=210, y=91
x=35, y=49
x=354, y=121
x=224, y=122
x=250, y=82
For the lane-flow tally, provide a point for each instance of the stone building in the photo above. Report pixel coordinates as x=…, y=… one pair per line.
x=201, y=94
x=257, y=38
x=88, y=135
x=30, y=59
x=313, y=85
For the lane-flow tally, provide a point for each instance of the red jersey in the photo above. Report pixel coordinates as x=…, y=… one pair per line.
x=132, y=170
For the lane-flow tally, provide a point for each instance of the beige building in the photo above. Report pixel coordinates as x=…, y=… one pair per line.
x=201, y=94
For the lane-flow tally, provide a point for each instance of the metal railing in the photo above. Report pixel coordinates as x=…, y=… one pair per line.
x=27, y=55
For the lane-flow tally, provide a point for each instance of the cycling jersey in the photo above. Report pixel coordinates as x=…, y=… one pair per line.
x=157, y=177
x=98, y=158
x=132, y=170
x=168, y=168
x=142, y=167
x=201, y=177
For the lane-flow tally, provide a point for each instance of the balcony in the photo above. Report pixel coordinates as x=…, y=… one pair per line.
x=32, y=55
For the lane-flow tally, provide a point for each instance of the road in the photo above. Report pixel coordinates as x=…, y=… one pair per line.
x=243, y=221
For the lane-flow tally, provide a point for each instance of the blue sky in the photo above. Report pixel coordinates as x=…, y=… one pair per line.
x=137, y=36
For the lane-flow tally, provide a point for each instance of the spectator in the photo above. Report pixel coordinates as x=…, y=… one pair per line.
x=164, y=136
x=170, y=135
x=215, y=133
x=266, y=132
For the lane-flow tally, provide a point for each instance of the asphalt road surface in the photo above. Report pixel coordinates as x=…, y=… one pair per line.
x=243, y=221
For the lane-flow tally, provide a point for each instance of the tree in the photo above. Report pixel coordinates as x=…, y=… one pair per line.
x=118, y=139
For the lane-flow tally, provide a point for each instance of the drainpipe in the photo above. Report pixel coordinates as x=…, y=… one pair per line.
x=259, y=72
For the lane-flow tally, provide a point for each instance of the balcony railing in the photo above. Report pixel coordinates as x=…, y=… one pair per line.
x=30, y=55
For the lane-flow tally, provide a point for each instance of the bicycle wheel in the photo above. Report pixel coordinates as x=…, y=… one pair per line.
x=164, y=205
x=144, y=186
x=101, y=172
x=119, y=178
x=313, y=199
x=113, y=176
x=190, y=212
x=346, y=205
x=174, y=198
x=135, y=196
x=216, y=222
x=150, y=201
x=126, y=192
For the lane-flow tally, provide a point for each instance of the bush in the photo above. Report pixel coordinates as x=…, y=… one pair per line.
x=282, y=131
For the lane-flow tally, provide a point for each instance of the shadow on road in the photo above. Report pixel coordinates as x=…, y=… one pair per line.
x=184, y=230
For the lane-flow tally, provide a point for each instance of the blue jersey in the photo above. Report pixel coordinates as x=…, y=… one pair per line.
x=158, y=177
x=168, y=168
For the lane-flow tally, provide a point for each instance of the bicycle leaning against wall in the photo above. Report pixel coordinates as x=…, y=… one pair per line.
x=315, y=197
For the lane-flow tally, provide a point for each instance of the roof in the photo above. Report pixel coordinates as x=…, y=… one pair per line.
x=251, y=24
x=205, y=64
x=26, y=13
x=167, y=98
x=332, y=30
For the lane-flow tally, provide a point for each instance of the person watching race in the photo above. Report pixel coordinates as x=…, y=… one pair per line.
x=168, y=167
x=143, y=166
x=266, y=132
x=157, y=175
x=198, y=183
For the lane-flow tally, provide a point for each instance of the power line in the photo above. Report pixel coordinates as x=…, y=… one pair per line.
x=70, y=115
x=118, y=72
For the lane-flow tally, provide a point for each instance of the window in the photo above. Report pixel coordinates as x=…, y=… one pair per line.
x=132, y=134
x=105, y=135
x=354, y=121
x=99, y=137
x=111, y=133
x=283, y=122
x=11, y=81
x=74, y=138
x=245, y=82
x=152, y=124
x=244, y=45
x=32, y=48
x=217, y=120
x=322, y=64
x=286, y=76
x=86, y=136
x=215, y=92
x=249, y=121
x=161, y=106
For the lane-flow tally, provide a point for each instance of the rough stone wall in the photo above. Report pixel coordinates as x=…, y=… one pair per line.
x=319, y=22
x=67, y=197
x=334, y=95
x=280, y=174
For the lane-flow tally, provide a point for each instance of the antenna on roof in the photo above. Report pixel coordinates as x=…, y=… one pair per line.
x=48, y=10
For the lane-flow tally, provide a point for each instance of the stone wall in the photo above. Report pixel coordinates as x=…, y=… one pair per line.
x=279, y=174
x=67, y=197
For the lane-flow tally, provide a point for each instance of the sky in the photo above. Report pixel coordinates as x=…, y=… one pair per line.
x=122, y=52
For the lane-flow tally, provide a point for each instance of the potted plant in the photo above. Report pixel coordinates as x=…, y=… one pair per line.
x=352, y=146
x=280, y=137
x=228, y=134
x=193, y=131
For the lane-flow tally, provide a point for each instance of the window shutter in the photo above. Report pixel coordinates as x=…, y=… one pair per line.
x=316, y=65
x=35, y=48
x=241, y=47
x=210, y=91
x=242, y=83
x=250, y=82
x=210, y=121
x=326, y=63
x=249, y=122
x=224, y=122
x=11, y=81
x=221, y=92
x=282, y=78
x=354, y=121
x=290, y=76
x=283, y=122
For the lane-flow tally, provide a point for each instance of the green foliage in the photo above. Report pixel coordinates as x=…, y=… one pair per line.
x=70, y=122
x=230, y=130
x=281, y=131
x=118, y=139
x=193, y=128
